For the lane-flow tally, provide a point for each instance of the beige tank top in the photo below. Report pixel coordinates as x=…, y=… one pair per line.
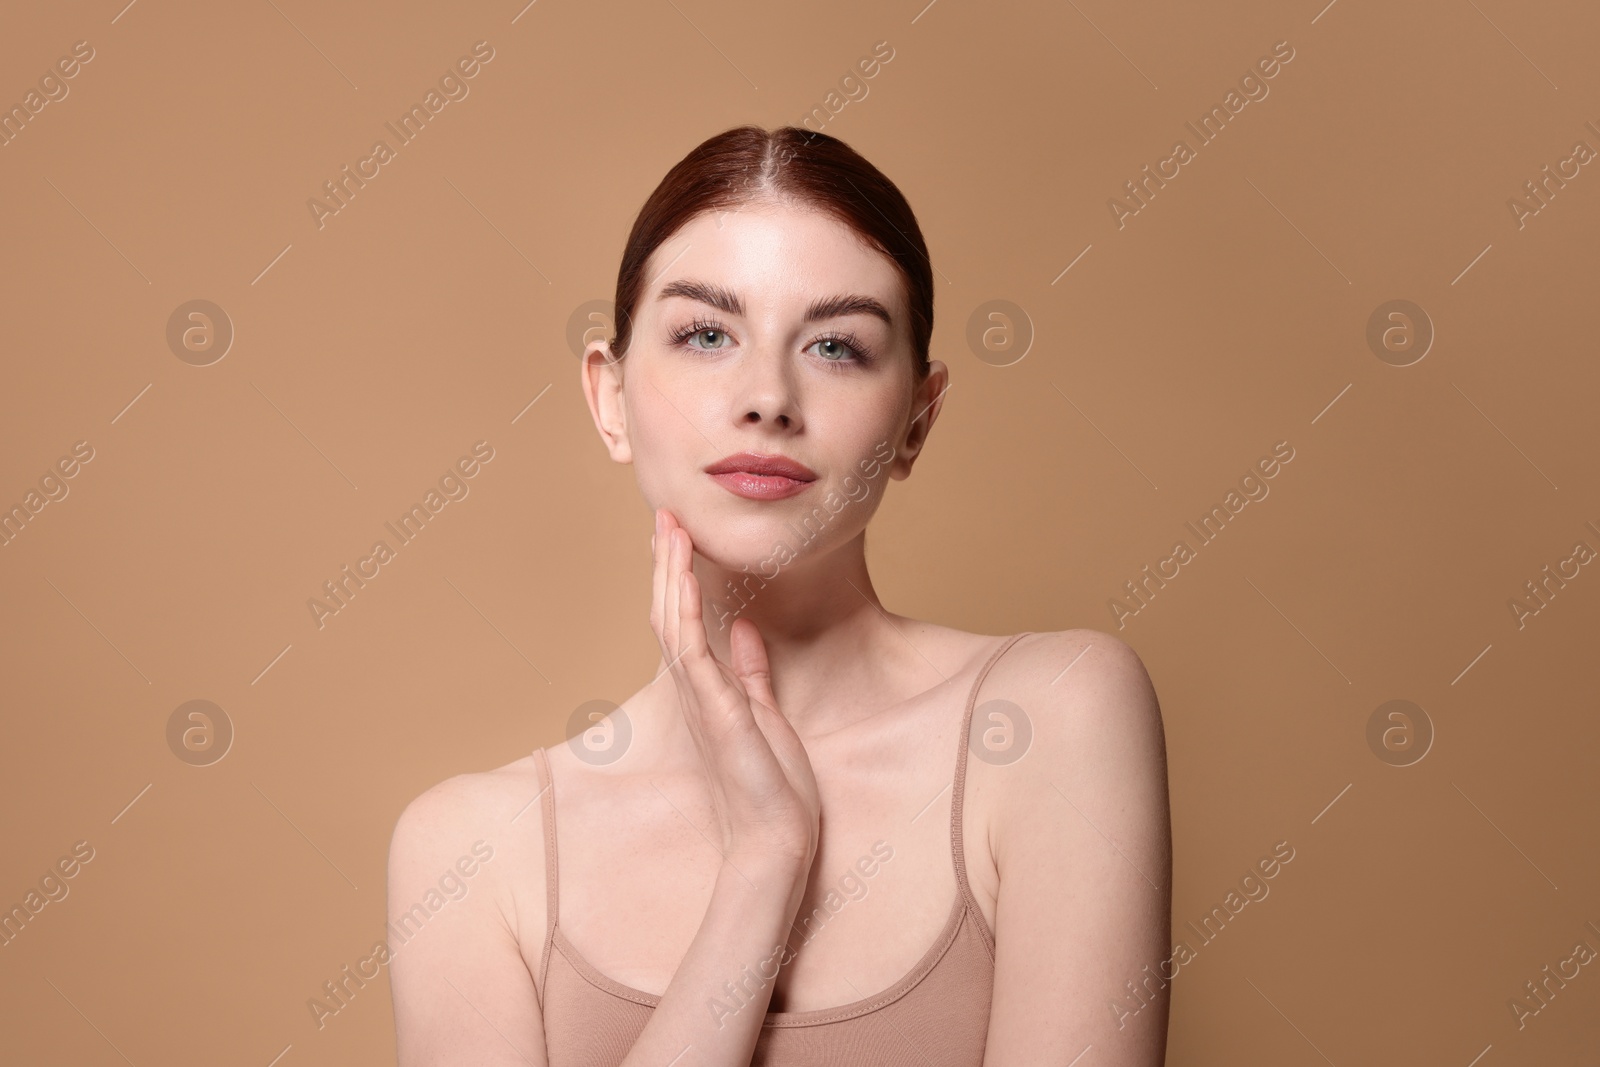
x=935, y=1016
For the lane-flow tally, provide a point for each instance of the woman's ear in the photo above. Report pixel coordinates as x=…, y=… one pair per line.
x=601, y=374
x=926, y=401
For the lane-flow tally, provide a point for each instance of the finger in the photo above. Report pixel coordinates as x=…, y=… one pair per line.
x=691, y=632
x=708, y=689
x=698, y=661
x=670, y=618
x=689, y=635
x=658, y=578
x=750, y=663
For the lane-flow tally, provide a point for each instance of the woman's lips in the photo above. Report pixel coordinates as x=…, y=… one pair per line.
x=759, y=486
x=755, y=476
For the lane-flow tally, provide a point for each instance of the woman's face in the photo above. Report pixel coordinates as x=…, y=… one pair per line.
x=771, y=330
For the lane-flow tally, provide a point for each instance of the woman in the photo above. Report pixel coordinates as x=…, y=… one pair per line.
x=837, y=835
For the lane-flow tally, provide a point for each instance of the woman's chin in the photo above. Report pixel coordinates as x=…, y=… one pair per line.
x=761, y=545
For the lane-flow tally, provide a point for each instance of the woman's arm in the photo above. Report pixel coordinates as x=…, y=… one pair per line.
x=1083, y=844
x=462, y=993
x=739, y=947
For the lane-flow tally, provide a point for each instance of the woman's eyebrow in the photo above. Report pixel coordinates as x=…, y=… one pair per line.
x=822, y=308
x=847, y=304
x=715, y=295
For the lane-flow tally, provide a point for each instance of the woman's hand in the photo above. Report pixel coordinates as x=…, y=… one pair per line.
x=762, y=785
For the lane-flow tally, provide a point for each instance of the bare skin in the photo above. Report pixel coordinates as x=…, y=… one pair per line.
x=772, y=752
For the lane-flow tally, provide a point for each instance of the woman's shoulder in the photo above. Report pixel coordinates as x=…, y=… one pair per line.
x=473, y=798
x=492, y=812
x=1043, y=660
x=1088, y=702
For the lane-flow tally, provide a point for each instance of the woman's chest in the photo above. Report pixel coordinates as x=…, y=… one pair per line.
x=636, y=870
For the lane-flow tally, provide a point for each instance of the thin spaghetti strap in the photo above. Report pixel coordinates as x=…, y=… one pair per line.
x=958, y=792
x=547, y=805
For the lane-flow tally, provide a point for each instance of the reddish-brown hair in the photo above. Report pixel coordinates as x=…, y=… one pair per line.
x=820, y=172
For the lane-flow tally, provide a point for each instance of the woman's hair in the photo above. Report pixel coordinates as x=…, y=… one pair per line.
x=747, y=164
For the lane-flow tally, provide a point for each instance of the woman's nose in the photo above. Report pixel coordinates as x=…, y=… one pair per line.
x=768, y=393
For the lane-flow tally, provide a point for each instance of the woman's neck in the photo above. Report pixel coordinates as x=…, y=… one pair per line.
x=831, y=647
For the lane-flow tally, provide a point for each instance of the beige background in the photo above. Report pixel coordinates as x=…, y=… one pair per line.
x=370, y=353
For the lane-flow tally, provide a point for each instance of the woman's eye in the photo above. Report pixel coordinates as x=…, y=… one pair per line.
x=712, y=338
x=834, y=351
